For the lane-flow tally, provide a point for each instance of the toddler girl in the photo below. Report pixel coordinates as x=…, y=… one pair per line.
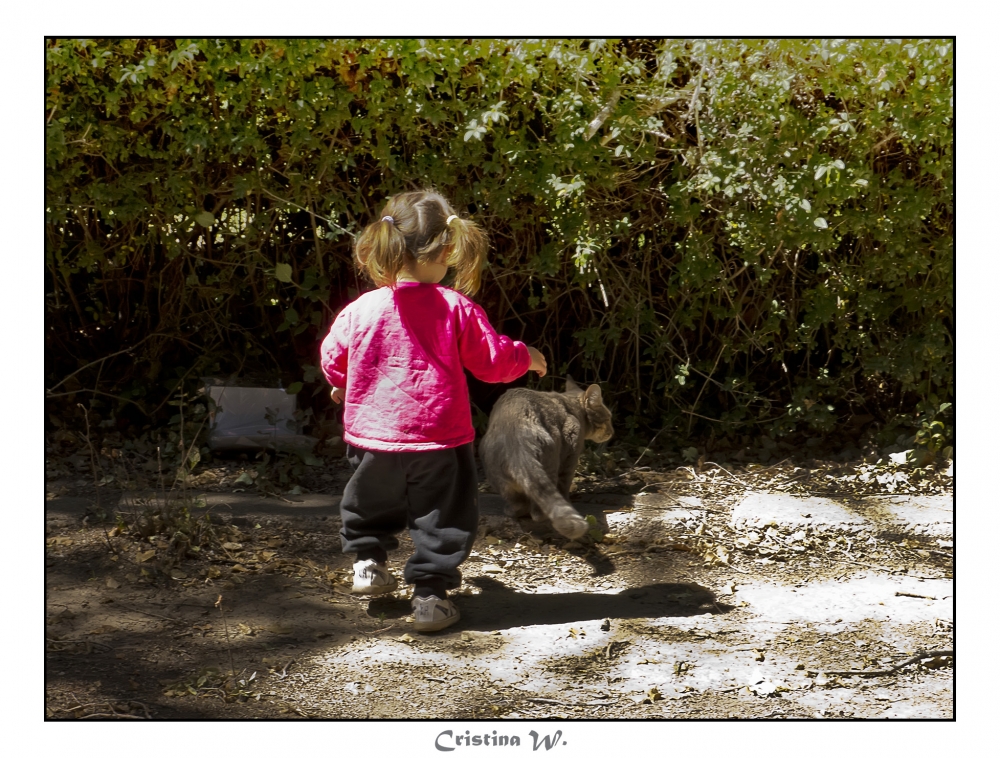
x=395, y=357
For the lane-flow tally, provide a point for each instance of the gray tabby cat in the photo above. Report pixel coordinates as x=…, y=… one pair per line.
x=532, y=446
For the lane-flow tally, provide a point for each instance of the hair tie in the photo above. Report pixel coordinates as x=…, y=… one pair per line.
x=448, y=220
x=389, y=219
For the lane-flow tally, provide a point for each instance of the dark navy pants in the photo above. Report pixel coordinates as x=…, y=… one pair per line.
x=432, y=493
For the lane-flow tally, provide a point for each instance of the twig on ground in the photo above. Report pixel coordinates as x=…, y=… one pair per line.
x=680, y=504
x=723, y=468
x=229, y=646
x=377, y=631
x=147, y=613
x=143, y=706
x=920, y=655
x=736, y=568
x=111, y=711
x=940, y=552
x=773, y=466
x=873, y=566
x=77, y=640
x=77, y=707
x=645, y=450
x=792, y=480
x=911, y=594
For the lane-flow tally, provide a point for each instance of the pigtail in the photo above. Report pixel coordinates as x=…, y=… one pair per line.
x=416, y=226
x=468, y=254
x=379, y=251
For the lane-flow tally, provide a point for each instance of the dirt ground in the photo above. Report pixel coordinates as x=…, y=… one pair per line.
x=209, y=612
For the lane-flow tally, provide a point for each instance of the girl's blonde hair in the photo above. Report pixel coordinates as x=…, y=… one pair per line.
x=416, y=224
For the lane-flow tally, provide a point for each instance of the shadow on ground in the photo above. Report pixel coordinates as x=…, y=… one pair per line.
x=498, y=607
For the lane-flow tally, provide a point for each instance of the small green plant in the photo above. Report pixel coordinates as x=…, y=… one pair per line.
x=933, y=435
x=185, y=435
x=172, y=531
x=594, y=533
x=211, y=681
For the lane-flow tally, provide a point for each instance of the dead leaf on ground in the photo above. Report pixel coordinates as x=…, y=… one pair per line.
x=651, y=696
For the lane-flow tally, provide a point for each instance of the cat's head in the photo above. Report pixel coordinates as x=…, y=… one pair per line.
x=596, y=413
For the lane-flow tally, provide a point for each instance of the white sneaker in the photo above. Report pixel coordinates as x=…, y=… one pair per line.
x=432, y=613
x=371, y=578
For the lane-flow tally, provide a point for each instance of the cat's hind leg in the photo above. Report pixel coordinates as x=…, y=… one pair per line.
x=518, y=504
x=565, y=478
x=545, y=499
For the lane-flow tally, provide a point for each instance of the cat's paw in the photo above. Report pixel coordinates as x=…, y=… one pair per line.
x=572, y=526
x=518, y=511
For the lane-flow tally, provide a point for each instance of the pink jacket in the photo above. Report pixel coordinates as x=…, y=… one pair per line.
x=400, y=352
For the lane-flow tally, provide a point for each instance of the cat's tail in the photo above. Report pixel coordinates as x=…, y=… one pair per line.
x=532, y=478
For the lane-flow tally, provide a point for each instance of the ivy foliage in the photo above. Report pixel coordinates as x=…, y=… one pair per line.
x=737, y=236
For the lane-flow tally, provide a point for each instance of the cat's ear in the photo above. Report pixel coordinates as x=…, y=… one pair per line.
x=572, y=387
x=592, y=396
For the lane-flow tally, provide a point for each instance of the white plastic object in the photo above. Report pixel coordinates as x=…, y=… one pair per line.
x=252, y=418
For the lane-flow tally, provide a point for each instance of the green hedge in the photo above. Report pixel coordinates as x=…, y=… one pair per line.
x=738, y=236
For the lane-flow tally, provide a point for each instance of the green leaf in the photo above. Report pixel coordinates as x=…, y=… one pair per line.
x=283, y=273
x=205, y=218
x=294, y=388
x=820, y=222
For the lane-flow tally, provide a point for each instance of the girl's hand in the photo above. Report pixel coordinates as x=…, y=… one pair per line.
x=537, y=362
x=337, y=395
